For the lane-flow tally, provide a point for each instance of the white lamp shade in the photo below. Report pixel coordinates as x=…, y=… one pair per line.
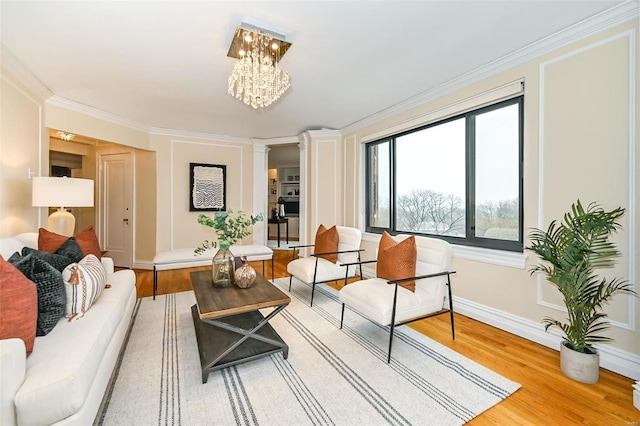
x=62, y=192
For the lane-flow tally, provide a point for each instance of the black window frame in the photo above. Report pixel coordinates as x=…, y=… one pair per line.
x=471, y=239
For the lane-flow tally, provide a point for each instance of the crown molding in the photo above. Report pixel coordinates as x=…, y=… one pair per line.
x=616, y=15
x=159, y=131
x=22, y=74
x=197, y=135
x=277, y=141
x=96, y=113
x=323, y=133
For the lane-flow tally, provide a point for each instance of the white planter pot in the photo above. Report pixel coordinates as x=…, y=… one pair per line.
x=584, y=368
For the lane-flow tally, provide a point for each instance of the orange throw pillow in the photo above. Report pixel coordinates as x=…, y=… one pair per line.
x=327, y=242
x=18, y=305
x=397, y=260
x=87, y=240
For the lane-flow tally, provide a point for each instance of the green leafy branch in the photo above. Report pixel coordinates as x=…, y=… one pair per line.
x=229, y=228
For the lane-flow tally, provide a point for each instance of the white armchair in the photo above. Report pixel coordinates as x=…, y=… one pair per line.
x=387, y=303
x=315, y=270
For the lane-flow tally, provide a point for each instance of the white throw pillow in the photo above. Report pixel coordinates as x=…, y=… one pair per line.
x=83, y=283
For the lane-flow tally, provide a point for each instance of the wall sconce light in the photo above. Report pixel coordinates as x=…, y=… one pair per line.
x=66, y=136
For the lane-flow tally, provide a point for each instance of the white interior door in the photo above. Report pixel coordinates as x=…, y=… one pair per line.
x=116, y=209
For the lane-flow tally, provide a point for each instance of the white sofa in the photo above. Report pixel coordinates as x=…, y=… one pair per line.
x=64, y=379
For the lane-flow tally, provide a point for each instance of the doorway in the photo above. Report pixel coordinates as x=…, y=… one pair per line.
x=116, y=207
x=285, y=194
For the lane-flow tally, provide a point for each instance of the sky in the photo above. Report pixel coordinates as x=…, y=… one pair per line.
x=435, y=157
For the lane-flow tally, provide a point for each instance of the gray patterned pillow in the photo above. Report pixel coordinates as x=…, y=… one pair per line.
x=58, y=261
x=52, y=298
x=71, y=249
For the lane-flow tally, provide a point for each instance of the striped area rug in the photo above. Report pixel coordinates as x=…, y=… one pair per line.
x=331, y=377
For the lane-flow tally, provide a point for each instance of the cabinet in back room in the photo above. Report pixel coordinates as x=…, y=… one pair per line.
x=286, y=185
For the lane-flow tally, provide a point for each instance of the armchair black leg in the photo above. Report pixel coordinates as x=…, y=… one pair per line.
x=390, y=342
x=155, y=281
x=313, y=284
x=453, y=330
x=342, y=316
x=290, y=279
x=393, y=322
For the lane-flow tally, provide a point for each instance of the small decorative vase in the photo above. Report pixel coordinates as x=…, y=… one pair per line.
x=245, y=274
x=222, y=268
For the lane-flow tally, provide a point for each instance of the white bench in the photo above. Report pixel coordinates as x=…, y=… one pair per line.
x=186, y=258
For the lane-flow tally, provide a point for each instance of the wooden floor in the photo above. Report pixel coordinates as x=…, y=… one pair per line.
x=546, y=397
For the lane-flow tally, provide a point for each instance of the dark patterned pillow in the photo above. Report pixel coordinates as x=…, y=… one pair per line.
x=71, y=249
x=52, y=298
x=58, y=261
x=14, y=258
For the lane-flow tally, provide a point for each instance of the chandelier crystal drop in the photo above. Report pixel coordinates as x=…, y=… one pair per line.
x=257, y=79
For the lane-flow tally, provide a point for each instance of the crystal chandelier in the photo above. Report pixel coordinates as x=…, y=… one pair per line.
x=257, y=78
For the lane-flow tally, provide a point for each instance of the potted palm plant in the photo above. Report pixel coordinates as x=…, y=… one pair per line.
x=571, y=252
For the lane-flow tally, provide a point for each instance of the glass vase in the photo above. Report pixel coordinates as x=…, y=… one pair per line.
x=245, y=275
x=222, y=270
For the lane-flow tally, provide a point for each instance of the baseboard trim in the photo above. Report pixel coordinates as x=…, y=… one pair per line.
x=143, y=264
x=613, y=359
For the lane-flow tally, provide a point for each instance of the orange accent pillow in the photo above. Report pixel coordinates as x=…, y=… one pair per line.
x=87, y=240
x=327, y=242
x=397, y=260
x=18, y=305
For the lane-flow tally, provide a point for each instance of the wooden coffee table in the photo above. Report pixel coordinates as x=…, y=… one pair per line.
x=230, y=329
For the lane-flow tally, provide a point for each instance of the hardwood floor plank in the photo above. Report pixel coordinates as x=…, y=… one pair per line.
x=546, y=397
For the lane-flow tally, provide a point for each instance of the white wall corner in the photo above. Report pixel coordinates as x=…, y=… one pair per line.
x=260, y=190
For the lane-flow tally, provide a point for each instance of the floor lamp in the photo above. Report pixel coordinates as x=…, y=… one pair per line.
x=62, y=192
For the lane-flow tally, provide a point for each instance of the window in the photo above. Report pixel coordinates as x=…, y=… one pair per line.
x=459, y=179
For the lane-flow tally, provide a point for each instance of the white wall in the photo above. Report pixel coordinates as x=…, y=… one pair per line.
x=177, y=227
x=24, y=152
x=323, y=187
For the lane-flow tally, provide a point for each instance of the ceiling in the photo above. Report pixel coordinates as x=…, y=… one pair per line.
x=164, y=65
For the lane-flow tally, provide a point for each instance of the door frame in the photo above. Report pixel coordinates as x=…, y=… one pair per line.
x=261, y=188
x=100, y=152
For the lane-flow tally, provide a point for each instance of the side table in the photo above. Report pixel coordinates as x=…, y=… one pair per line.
x=277, y=221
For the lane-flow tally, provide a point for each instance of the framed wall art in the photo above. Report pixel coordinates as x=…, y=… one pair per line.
x=208, y=190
